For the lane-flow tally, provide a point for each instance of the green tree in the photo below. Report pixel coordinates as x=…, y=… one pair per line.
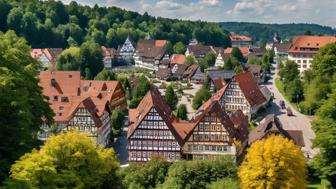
x=228, y=65
x=117, y=122
x=69, y=59
x=289, y=72
x=68, y=160
x=190, y=60
x=145, y=176
x=210, y=59
x=280, y=164
x=294, y=90
x=237, y=54
x=201, y=96
x=105, y=75
x=324, y=62
x=171, y=97
x=325, y=129
x=179, y=48
x=88, y=75
x=227, y=183
x=198, y=173
x=169, y=48
x=23, y=107
x=182, y=112
x=14, y=19
x=254, y=60
x=91, y=57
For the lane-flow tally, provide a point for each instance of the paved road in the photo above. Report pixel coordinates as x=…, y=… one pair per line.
x=296, y=122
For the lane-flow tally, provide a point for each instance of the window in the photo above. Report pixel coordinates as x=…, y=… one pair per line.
x=55, y=98
x=64, y=99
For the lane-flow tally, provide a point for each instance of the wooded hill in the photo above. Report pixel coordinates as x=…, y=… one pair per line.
x=53, y=24
x=261, y=32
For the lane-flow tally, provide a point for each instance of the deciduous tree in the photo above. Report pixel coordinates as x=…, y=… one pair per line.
x=275, y=162
x=171, y=98
x=68, y=160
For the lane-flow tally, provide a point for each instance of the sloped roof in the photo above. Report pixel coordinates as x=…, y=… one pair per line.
x=310, y=42
x=200, y=50
x=177, y=59
x=151, y=48
x=240, y=122
x=244, y=50
x=236, y=37
x=282, y=47
x=271, y=125
x=152, y=99
x=190, y=71
x=219, y=83
x=221, y=74
x=213, y=106
x=109, y=51
x=254, y=69
x=71, y=92
x=249, y=88
x=163, y=72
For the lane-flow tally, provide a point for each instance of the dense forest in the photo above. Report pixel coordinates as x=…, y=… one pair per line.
x=54, y=24
x=261, y=32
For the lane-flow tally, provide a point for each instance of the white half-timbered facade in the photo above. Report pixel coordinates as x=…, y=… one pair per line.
x=151, y=132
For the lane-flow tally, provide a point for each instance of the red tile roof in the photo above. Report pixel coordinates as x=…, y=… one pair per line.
x=249, y=88
x=244, y=50
x=236, y=37
x=177, y=59
x=151, y=48
x=71, y=93
x=310, y=44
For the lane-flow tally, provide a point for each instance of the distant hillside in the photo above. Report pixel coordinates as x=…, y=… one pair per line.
x=265, y=31
x=51, y=23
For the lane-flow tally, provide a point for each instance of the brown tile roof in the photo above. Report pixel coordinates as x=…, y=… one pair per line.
x=177, y=59
x=163, y=73
x=282, y=47
x=244, y=50
x=151, y=48
x=190, y=71
x=240, y=122
x=200, y=50
x=271, y=125
x=112, y=52
x=249, y=88
x=258, y=51
x=219, y=83
x=313, y=43
x=152, y=99
x=236, y=37
x=181, y=68
x=71, y=93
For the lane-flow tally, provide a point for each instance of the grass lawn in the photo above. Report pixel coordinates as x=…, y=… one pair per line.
x=280, y=86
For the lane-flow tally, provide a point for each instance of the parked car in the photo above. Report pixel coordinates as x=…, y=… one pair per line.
x=289, y=111
x=282, y=104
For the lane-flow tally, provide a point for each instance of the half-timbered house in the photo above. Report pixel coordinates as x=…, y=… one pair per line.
x=215, y=134
x=151, y=131
x=242, y=93
x=84, y=105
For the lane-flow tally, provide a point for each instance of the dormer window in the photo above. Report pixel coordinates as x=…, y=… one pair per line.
x=70, y=76
x=61, y=108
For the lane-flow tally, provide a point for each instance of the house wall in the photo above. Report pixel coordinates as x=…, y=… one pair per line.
x=153, y=138
x=209, y=139
x=303, y=61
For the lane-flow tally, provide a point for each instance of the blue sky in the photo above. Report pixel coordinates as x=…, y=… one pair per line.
x=264, y=11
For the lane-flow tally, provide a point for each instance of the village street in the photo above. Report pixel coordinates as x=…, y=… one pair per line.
x=296, y=122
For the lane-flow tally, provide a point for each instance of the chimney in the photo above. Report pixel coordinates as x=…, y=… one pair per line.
x=53, y=82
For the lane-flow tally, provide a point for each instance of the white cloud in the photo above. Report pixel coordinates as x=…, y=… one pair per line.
x=266, y=11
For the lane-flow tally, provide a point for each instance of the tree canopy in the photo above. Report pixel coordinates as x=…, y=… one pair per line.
x=201, y=96
x=171, y=98
x=23, y=107
x=105, y=75
x=275, y=162
x=67, y=160
x=182, y=112
x=54, y=24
